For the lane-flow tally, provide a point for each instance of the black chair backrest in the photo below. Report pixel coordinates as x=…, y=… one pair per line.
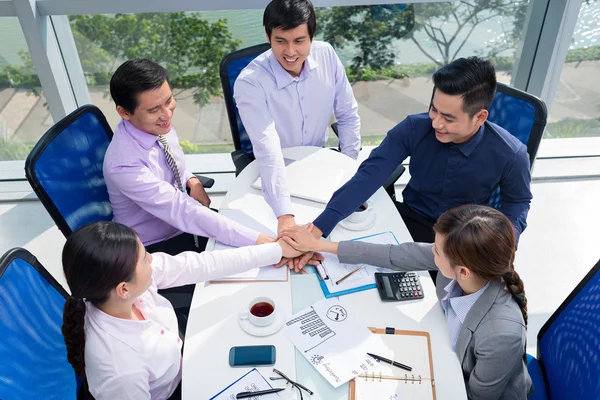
x=65, y=169
x=231, y=66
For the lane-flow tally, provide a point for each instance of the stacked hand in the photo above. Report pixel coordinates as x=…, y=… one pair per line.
x=302, y=240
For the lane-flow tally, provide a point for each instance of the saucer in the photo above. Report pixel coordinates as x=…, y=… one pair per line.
x=254, y=330
x=368, y=223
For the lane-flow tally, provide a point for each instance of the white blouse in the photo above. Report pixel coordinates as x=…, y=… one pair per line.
x=128, y=359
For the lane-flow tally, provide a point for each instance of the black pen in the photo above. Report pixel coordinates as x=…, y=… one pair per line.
x=394, y=363
x=245, y=395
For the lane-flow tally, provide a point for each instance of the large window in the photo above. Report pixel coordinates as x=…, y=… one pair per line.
x=189, y=45
x=390, y=52
x=24, y=114
x=576, y=108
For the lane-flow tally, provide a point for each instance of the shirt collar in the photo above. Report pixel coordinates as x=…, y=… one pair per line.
x=468, y=147
x=146, y=140
x=283, y=78
x=124, y=330
x=461, y=304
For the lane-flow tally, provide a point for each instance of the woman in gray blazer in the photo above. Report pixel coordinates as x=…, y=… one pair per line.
x=481, y=293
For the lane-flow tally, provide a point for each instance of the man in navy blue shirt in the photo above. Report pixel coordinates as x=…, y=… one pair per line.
x=456, y=158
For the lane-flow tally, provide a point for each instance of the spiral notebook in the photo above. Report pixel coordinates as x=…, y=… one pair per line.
x=412, y=348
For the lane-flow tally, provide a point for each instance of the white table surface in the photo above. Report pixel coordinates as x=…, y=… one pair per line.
x=213, y=326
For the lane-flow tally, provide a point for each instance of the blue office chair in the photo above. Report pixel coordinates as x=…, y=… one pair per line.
x=229, y=69
x=568, y=350
x=65, y=170
x=32, y=349
x=524, y=116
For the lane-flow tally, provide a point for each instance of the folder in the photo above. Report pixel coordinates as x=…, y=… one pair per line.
x=364, y=282
x=412, y=348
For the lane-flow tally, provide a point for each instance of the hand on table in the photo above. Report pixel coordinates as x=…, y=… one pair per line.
x=197, y=191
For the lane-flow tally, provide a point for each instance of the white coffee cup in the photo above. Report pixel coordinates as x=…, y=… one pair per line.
x=261, y=311
x=362, y=214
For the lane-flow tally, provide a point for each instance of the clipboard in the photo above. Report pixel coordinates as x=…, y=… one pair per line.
x=323, y=284
x=417, y=384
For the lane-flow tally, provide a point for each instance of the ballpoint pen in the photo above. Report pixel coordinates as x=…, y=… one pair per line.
x=388, y=361
x=348, y=274
x=246, y=395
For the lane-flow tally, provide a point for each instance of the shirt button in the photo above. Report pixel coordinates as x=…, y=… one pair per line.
x=302, y=98
x=305, y=116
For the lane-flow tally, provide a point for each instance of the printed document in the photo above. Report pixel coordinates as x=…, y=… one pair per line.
x=333, y=340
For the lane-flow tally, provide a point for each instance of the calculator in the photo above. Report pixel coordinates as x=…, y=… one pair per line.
x=399, y=286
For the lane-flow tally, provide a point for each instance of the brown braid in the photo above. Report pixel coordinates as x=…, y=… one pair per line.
x=515, y=286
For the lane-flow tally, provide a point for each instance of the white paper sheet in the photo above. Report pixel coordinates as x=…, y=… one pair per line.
x=333, y=341
x=267, y=273
x=366, y=276
x=302, y=183
x=407, y=349
x=253, y=381
x=251, y=217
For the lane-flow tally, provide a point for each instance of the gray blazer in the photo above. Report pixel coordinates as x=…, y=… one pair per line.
x=491, y=342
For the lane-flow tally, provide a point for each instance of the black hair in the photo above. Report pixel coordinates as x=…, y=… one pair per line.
x=288, y=14
x=473, y=78
x=134, y=77
x=96, y=258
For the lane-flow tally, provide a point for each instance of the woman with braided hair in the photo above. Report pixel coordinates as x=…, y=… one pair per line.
x=122, y=336
x=481, y=293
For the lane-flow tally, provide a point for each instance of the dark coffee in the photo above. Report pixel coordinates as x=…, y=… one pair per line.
x=262, y=309
x=362, y=207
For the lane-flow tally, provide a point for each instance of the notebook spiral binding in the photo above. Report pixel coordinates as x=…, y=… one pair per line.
x=373, y=377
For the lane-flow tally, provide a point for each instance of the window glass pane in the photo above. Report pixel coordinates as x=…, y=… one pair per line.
x=24, y=114
x=189, y=45
x=576, y=108
x=390, y=52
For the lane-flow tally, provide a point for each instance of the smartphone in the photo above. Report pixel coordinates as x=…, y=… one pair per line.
x=246, y=356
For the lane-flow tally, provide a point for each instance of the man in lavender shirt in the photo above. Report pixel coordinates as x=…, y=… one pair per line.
x=144, y=192
x=286, y=96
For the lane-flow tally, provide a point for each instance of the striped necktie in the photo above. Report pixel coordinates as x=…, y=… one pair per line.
x=171, y=161
x=175, y=170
